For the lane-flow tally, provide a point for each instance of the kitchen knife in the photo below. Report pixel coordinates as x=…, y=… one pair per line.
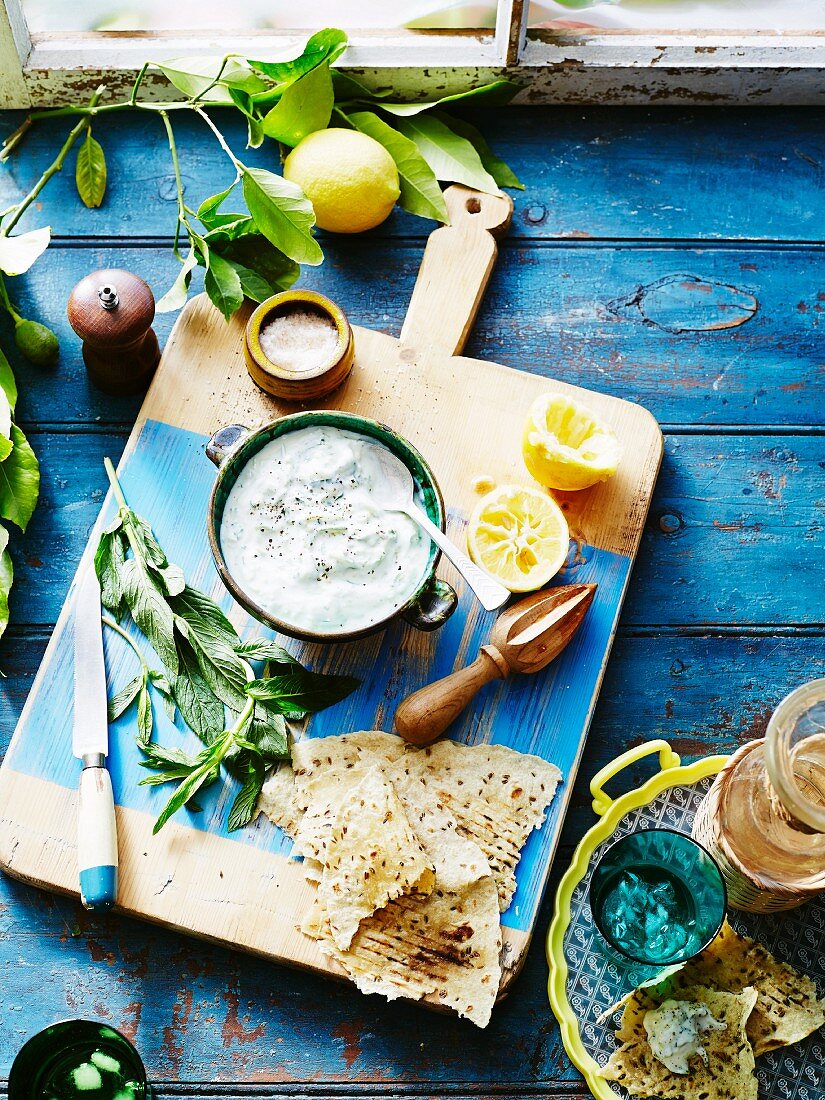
x=96, y=829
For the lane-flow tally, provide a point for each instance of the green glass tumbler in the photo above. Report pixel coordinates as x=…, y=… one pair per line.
x=78, y=1059
x=657, y=897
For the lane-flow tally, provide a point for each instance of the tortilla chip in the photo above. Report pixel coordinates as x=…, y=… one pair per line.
x=371, y=857
x=447, y=943
x=787, y=1007
x=495, y=795
x=279, y=802
x=730, y=1070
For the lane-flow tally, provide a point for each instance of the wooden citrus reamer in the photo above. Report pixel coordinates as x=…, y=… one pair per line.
x=525, y=638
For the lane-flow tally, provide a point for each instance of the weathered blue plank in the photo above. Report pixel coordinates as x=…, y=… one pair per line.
x=730, y=516
x=588, y=172
x=639, y=323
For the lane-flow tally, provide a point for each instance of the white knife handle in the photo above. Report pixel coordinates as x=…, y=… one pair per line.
x=96, y=836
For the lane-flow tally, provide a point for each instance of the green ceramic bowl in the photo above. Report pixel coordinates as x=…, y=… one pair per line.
x=231, y=448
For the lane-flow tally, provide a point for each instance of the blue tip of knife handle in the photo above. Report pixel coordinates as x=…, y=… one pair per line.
x=98, y=887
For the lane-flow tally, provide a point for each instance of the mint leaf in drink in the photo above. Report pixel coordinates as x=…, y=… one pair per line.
x=420, y=193
x=19, y=481
x=451, y=156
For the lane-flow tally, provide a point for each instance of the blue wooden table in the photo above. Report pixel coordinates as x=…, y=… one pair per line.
x=670, y=257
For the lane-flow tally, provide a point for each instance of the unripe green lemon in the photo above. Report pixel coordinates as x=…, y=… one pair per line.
x=38, y=343
x=350, y=179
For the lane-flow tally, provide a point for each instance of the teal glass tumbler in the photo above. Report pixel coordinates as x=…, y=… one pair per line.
x=77, y=1059
x=657, y=897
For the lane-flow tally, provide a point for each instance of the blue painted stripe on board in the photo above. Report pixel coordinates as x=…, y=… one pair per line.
x=167, y=479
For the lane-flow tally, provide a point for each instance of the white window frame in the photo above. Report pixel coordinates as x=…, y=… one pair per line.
x=553, y=67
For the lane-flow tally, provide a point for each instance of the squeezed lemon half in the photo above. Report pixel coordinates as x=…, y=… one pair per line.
x=565, y=446
x=519, y=536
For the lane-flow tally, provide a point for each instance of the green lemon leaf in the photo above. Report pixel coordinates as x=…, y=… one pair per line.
x=125, y=697
x=254, y=133
x=178, y=292
x=243, y=808
x=502, y=173
x=223, y=286
x=18, y=253
x=420, y=193
x=450, y=156
x=5, y=426
x=305, y=106
x=6, y=578
x=263, y=269
x=283, y=214
x=496, y=94
x=193, y=75
x=208, y=209
x=326, y=45
x=19, y=481
x=90, y=172
x=348, y=88
x=7, y=382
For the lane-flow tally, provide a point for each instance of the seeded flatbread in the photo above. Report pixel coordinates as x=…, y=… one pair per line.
x=371, y=856
x=326, y=768
x=787, y=1007
x=730, y=1070
x=446, y=944
x=279, y=801
x=496, y=796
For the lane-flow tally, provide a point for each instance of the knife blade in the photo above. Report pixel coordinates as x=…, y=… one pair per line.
x=96, y=826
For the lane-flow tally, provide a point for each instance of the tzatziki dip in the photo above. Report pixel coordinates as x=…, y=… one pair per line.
x=304, y=537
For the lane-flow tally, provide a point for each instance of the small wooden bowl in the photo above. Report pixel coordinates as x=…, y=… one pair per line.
x=292, y=385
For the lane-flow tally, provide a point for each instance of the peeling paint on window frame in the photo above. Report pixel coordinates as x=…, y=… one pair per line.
x=608, y=67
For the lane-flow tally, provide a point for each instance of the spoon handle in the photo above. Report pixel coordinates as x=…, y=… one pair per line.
x=425, y=714
x=490, y=593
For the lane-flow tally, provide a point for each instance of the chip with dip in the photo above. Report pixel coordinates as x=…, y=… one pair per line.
x=710, y=1037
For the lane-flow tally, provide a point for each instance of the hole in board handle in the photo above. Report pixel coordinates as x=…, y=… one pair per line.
x=473, y=206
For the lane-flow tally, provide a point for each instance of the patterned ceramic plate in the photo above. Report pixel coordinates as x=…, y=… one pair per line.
x=586, y=977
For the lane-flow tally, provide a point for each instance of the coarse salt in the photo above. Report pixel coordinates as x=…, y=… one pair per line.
x=299, y=340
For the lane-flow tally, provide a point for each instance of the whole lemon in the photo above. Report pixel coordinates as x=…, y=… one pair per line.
x=350, y=179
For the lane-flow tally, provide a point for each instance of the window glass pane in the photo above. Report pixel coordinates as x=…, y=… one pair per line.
x=287, y=15
x=680, y=15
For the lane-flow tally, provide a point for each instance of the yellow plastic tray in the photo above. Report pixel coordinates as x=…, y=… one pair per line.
x=610, y=812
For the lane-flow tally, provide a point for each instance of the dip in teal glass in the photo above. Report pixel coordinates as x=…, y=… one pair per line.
x=657, y=897
x=78, y=1060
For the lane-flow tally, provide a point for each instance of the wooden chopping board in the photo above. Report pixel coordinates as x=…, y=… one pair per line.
x=466, y=416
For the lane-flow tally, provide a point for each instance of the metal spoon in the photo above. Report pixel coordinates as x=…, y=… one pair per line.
x=396, y=493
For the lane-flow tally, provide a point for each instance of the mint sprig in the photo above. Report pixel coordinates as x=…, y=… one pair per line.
x=207, y=677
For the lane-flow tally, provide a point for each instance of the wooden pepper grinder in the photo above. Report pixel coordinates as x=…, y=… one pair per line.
x=112, y=312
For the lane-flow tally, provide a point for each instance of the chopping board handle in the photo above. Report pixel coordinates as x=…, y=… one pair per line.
x=456, y=267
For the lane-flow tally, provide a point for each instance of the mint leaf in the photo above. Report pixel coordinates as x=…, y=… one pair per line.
x=144, y=716
x=283, y=214
x=420, y=193
x=450, y=156
x=268, y=733
x=90, y=172
x=502, y=173
x=305, y=106
x=223, y=286
x=175, y=297
x=259, y=650
x=125, y=697
x=301, y=692
x=243, y=808
x=19, y=481
x=148, y=607
x=201, y=612
x=199, y=708
x=206, y=771
x=109, y=558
